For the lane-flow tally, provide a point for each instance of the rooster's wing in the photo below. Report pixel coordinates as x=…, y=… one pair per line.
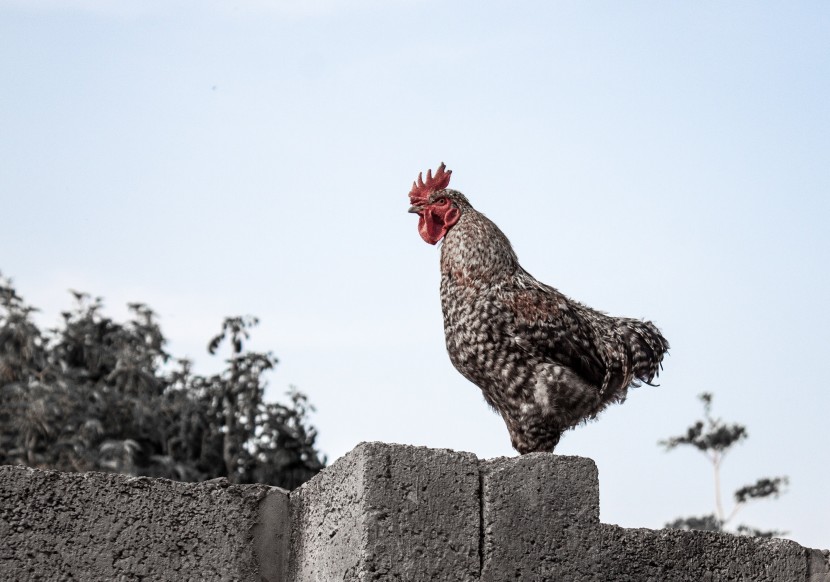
x=548, y=324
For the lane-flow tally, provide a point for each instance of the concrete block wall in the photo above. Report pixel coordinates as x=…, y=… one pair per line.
x=381, y=512
x=99, y=526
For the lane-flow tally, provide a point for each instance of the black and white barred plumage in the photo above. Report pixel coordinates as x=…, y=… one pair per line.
x=543, y=361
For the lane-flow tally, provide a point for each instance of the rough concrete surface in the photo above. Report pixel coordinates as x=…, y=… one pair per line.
x=389, y=512
x=540, y=522
x=537, y=513
x=382, y=512
x=672, y=555
x=818, y=565
x=99, y=526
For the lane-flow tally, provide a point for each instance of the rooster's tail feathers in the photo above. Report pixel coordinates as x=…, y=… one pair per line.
x=647, y=347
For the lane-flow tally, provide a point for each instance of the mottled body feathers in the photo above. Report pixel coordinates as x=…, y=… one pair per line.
x=542, y=361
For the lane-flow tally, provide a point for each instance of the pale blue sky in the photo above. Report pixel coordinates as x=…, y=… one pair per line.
x=651, y=159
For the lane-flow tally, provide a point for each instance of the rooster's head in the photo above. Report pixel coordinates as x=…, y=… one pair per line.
x=438, y=208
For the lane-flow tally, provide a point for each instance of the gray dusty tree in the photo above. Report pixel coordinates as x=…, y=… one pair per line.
x=715, y=438
x=97, y=394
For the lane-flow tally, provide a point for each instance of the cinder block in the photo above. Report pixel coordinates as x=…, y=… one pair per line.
x=818, y=565
x=100, y=526
x=388, y=512
x=681, y=556
x=539, y=511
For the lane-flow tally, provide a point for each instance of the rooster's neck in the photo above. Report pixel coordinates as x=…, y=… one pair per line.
x=475, y=249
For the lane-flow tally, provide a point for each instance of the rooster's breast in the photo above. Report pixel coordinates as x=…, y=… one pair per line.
x=480, y=341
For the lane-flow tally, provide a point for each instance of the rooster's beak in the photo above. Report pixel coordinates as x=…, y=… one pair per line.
x=415, y=209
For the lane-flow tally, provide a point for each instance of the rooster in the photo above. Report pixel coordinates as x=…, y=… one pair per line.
x=543, y=361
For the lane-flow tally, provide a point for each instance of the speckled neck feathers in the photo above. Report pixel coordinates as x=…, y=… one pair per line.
x=475, y=251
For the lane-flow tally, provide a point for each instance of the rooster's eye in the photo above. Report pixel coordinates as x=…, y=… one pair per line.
x=441, y=201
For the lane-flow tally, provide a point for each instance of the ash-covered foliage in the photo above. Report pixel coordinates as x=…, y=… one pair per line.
x=715, y=438
x=94, y=394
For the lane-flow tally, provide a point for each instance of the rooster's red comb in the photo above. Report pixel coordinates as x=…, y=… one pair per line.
x=421, y=190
